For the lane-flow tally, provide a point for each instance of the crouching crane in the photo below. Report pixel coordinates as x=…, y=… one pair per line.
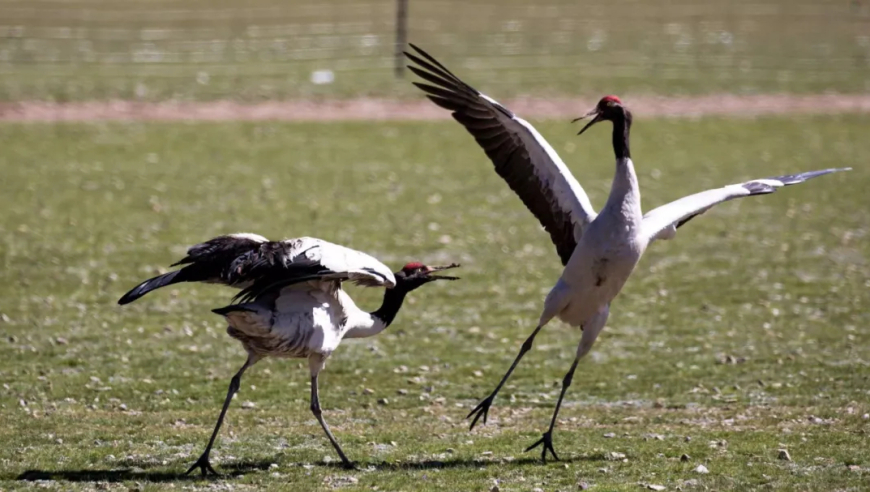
x=291, y=303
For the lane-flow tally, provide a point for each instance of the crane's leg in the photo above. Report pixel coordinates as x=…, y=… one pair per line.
x=556, y=300
x=482, y=408
x=315, y=364
x=590, y=333
x=202, y=463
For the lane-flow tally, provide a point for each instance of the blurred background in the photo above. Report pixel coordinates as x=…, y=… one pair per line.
x=266, y=49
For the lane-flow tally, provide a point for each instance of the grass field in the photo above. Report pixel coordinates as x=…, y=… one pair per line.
x=747, y=334
x=72, y=50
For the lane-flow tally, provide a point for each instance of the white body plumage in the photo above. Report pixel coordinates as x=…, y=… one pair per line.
x=599, y=251
x=291, y=301
x=604, y=258
x=311, y=318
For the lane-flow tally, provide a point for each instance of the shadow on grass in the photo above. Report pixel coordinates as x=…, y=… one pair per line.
x=461, y=463
x=229, y=470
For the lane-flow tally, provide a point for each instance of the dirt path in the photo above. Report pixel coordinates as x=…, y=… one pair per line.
x=383, y=109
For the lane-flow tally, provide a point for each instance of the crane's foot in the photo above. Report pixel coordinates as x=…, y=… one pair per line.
x=481, y=410
x=204, y=466
x=547, y=442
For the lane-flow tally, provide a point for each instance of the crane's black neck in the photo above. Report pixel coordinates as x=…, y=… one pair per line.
x=621, y=129
x=393, y=299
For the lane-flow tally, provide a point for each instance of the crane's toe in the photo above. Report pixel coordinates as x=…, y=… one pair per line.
x=481, y=410
x=205, y=467
x=547, y=442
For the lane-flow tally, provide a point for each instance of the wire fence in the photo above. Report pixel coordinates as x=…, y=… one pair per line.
x=198, y=50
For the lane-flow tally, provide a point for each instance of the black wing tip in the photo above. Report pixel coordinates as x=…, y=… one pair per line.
x=232, y=308
x=244, y=295
x=128, y=298
x=790, y=179
x=432, y=65
x=418, y=49
x=813, y=174
x=759, y=187
x=426, y=60
x=154, y=283
x=135, y=293
x=376, y=273
x=266, y=284
x=682, y=222
x=411, y=56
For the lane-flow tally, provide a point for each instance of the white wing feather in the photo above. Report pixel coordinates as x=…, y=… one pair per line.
x=549, y=167
x=662, y=222
x=346, y=263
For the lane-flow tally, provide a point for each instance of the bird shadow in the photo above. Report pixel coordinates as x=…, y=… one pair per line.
x=136, y=472
x=139, y=471
x=460, y=463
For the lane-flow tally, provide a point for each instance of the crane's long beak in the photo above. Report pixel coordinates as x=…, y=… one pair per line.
x=595, y=113
x=431, y=270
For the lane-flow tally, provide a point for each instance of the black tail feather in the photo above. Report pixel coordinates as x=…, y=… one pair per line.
x=288, y=276
x=154, y=283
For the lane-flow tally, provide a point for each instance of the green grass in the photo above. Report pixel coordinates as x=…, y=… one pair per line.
x=778, y=283
x=67, y=50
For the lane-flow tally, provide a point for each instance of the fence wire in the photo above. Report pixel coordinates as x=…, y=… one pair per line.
x=266, y=49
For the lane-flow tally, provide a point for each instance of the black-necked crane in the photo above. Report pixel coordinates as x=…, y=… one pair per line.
x=291, y=303
x=598, y=250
